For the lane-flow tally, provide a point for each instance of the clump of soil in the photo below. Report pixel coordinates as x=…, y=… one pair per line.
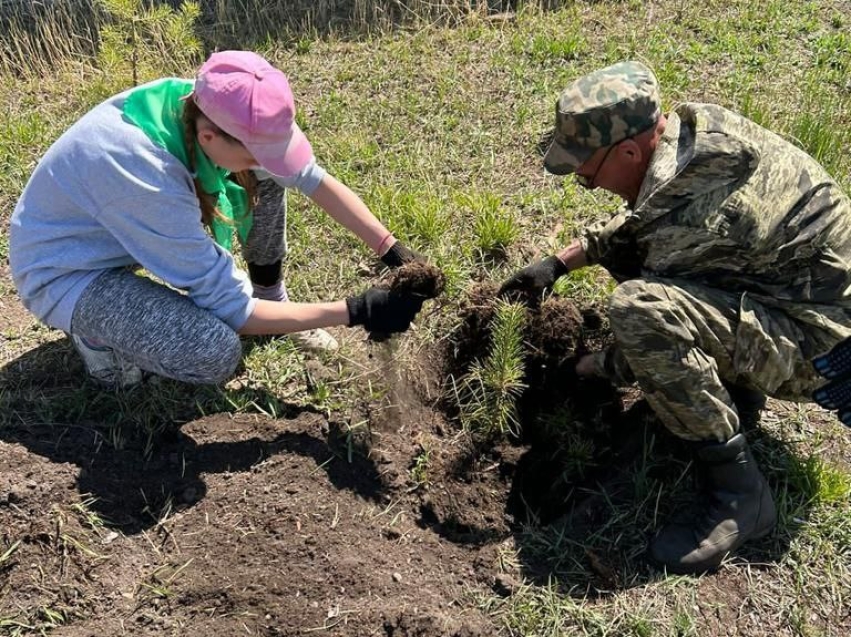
x=472, y=336
x=416, y=278
x=412, y=279
x=556, y=329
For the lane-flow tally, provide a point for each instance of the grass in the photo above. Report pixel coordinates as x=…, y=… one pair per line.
x=162, y=581
x=436, y=127
x=495, y=227
x=612, y=551
x=419, y=468
x=9, y=552
x=828, y=485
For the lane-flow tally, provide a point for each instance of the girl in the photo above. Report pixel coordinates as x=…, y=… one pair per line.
x=134, y=182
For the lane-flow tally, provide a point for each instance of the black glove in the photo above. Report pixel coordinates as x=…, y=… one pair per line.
x=398, y=255
x=535, y=278
x=384, y=311
x=835, y=366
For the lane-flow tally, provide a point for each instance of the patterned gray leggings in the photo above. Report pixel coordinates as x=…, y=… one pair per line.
x=163, y=331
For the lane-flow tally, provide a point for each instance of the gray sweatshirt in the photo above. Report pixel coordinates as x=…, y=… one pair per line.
x=104, y=196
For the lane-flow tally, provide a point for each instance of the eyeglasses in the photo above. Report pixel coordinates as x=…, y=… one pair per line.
x=590, y=182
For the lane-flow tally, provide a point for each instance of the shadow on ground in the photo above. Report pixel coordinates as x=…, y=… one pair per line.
x=135, y=461
x=590, y=535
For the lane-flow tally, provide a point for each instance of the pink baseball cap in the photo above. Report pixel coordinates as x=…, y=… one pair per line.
x=251, y=100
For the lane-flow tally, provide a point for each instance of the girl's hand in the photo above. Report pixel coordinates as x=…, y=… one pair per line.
x=398, y=255
x=384, y=311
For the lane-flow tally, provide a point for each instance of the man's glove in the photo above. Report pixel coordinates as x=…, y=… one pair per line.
x=535, y=278
x=835, y=366
x=398, y=255
x=384, y=311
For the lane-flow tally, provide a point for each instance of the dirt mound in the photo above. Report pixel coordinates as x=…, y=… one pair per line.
x=556, y=334
x=556, y=331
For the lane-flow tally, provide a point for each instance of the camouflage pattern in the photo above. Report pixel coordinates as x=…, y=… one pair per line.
x=739, y=245
x=601, y=109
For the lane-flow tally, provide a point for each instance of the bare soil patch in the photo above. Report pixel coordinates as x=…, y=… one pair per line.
x=268, y=527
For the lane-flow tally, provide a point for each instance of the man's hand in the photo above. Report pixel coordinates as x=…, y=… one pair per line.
x=398, y=255
x=384, y=311
x=835, y=366
x=535, y=278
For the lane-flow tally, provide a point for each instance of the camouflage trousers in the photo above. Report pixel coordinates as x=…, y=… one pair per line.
x=680, y=341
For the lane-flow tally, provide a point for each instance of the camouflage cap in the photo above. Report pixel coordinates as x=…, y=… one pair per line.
x=601, y=109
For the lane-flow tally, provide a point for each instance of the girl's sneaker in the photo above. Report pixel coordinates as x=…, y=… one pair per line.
x=317, y=340
x=104, y=366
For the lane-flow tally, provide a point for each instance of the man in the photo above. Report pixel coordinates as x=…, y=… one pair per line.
x=733, y=266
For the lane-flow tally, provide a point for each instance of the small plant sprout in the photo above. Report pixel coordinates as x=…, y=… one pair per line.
x=489, y=393
x=8, y=553
x=419, y=468
x=84, y=510
x=161, y=581
x=351, y=432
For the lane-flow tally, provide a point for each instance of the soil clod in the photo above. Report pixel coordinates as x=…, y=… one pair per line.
x=416, y=278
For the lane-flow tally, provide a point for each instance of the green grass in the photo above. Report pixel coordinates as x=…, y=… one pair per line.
x=495, y=227
x=420, y=467
x=436, y=128
x=828, y=485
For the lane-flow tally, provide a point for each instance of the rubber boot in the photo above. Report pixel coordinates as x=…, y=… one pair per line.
x=739, y=507
x=749, y=403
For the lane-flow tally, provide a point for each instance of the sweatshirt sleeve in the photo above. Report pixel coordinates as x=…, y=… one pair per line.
x=306, y=182
x=164, y=235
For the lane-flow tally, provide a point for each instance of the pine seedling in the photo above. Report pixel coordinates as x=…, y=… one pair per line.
x=489, y=393
x=150, y=38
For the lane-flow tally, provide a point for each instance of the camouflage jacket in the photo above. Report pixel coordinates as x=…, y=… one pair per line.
x=728, y=204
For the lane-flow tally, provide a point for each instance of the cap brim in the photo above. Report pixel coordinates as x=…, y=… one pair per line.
x=284, y=159
x=560, y=160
